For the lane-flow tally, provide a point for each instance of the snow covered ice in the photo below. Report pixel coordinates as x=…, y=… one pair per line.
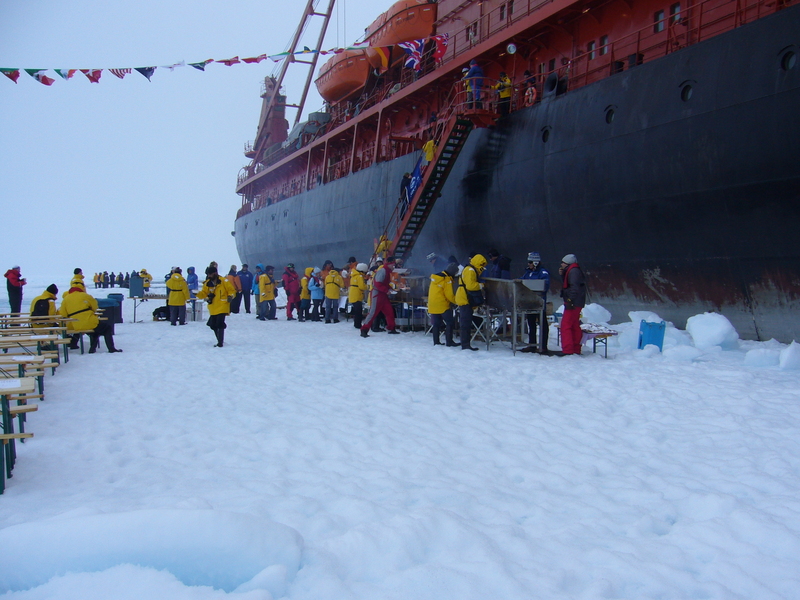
x=303, y=462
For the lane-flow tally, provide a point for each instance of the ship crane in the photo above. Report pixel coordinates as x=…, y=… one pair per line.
x=273, y=89
x=410, y=218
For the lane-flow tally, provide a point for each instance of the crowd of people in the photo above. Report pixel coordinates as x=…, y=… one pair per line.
x=315, y=296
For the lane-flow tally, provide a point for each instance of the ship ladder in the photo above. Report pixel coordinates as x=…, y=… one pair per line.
x=430, y=188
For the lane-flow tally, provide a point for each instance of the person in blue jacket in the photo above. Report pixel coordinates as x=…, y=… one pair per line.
x=192, y=281
x=474, y=78
x=254, y=286
x=246, y=280
x=317, y=290
x=536, y=271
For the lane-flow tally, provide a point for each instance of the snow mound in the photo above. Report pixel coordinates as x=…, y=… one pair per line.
x=594, y=313
x=762, y=357
x=790, y=357
x=199, y=547
x=712, y=329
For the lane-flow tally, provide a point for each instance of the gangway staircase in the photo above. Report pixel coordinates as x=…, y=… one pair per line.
x=411, y=222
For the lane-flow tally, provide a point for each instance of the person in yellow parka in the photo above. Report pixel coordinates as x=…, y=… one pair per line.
x=440, y=302
x=267, y=291
x=82, y=307
x=333, y=291
x=355, y=293
x=504, y=88
x=305, y=295
x=77, y=280
x=469, y=295
x=44, y=305
x=177, y=297
x=218, y=293
x=146, y=279
x=383, y=246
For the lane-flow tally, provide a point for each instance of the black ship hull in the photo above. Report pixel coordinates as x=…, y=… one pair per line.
x=686, y=201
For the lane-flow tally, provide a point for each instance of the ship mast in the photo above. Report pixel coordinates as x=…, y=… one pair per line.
x=309, y=12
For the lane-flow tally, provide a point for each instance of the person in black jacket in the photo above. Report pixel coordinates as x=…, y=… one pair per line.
x=573, y=292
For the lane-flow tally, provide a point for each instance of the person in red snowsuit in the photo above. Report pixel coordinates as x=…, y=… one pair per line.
x=573, y=291
x=381, y=284
x=291, y=285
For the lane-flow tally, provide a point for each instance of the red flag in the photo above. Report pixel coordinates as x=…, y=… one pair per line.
x=441, y=46
x=12, y=74
x=92, y=75
x=230, y=61
x=256, y=59
x=38, y=75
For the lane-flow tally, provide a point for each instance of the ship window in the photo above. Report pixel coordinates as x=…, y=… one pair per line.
x=545, y=134
x=603, y=45
x=610, y=114
x=502, y=12
x=675, y=13
x=510, y=7
x=590, y=50
x=788, y=61
x=552, y=64
x=686, y=92
x=658, y=21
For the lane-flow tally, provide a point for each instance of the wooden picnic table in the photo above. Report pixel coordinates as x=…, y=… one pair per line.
x=9, y=387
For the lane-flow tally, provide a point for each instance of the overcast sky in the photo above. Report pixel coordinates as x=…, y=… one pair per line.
x=130, y=174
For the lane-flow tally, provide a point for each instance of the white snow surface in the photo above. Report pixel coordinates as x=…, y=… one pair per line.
x=303, y=462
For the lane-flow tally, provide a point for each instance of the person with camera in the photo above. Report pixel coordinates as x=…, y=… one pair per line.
x=468, y=296
x=14, y=287
x=218, y=293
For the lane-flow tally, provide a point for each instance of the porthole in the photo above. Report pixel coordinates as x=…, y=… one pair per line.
x=788, y=60
x=610, y=112
x=686, y=92
x=545, y=134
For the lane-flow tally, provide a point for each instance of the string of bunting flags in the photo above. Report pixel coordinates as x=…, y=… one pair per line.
x=414, y=50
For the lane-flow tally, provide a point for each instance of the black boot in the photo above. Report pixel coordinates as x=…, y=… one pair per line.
x=220, y=337
x=94, y=340
x=364, y=333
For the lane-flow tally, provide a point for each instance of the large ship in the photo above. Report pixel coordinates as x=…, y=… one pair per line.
x=657, y=140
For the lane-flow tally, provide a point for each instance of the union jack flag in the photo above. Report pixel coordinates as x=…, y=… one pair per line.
x=414, y=50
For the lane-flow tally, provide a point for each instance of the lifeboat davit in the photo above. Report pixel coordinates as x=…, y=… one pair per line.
x=343, y=75
x=405, y=20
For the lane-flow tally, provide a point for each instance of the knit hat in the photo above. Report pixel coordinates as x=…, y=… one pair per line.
x=451, y=269
x=534, y=257
x=52, y=288
x=362, y=267
x=569, y=259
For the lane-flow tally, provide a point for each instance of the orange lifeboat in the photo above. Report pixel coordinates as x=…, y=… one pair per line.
x=343, y=75
x=406, y=20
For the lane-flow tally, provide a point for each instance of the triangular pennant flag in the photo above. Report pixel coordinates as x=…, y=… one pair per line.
x=12, y=74
x=120, y=72
x=172, y=67
x=65, y=73
x=38, y=75
x=277, y=57
x=201, y=66
x=146, y=71
x=230, y=61
x=92, y=75
x=255, y=59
